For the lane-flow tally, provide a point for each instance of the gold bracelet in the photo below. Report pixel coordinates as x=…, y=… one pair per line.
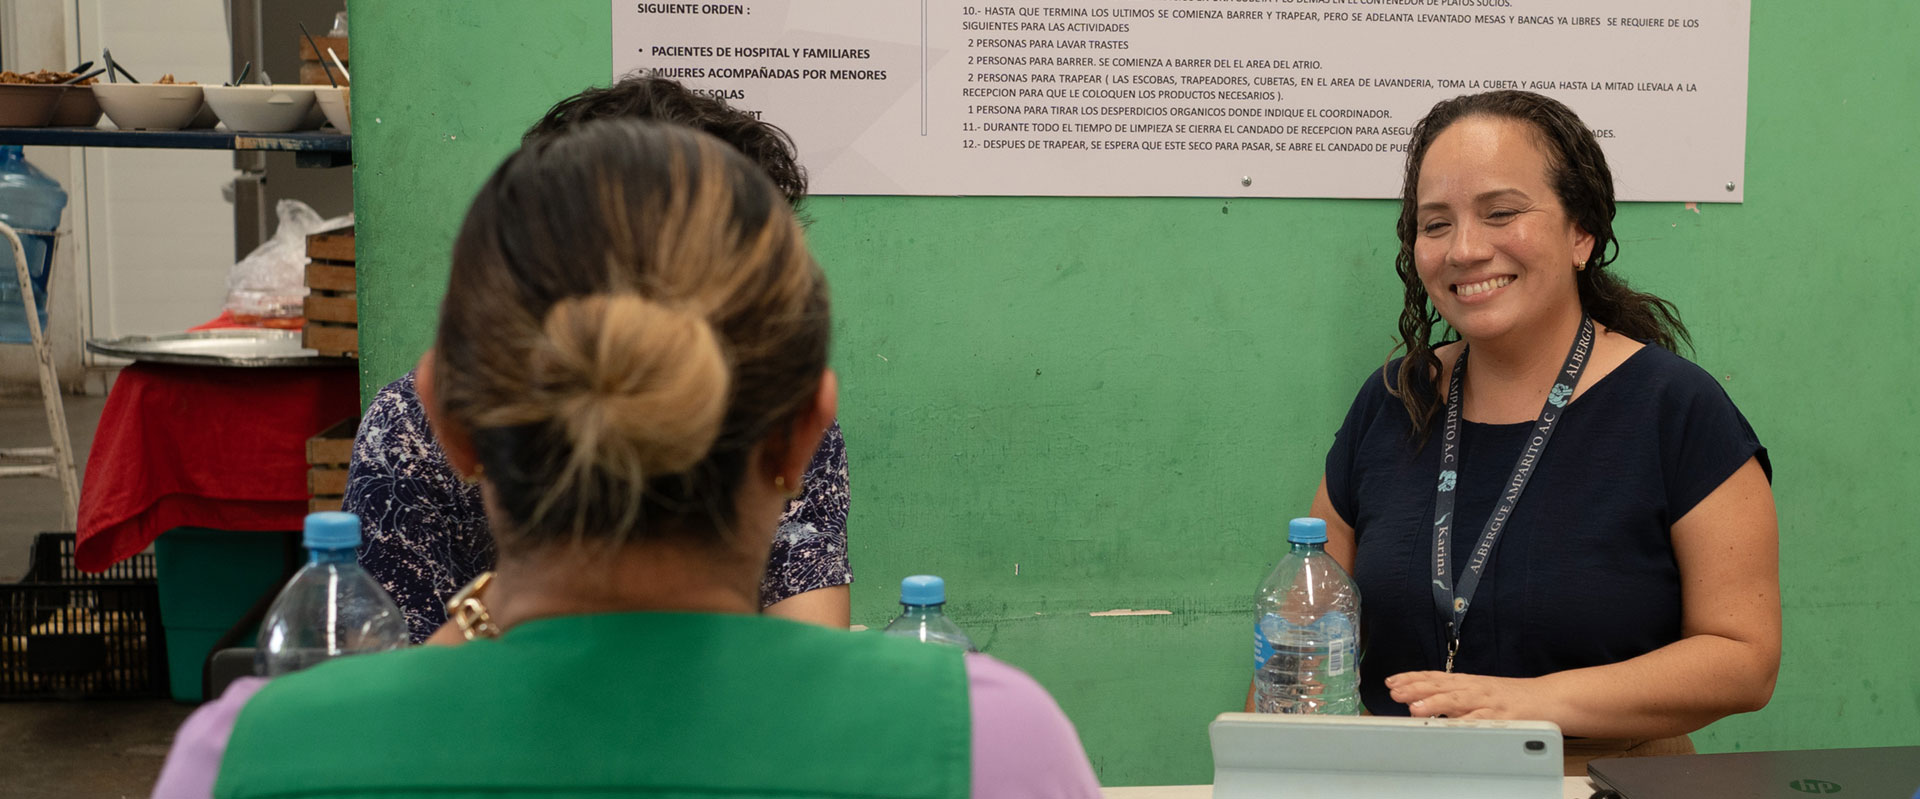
x=470, y=613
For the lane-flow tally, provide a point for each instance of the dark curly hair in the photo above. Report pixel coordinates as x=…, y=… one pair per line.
x=643, y=96
x=1578, y=172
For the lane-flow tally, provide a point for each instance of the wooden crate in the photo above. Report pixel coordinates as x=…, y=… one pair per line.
x=337, y=340
x=337, y=43
x=342, y=308
x=333, y=246
x=310, y=60
x=312, y=74
x=333, y=314
x=326, y=481
x=327, y=457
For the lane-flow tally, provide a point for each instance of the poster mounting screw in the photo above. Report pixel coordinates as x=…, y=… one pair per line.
x=1729, y=185
x=1246, y=181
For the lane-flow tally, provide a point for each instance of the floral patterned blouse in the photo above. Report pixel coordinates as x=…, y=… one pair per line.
x=425, y=532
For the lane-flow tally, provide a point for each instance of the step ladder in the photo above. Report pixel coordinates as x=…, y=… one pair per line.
x=52, y=462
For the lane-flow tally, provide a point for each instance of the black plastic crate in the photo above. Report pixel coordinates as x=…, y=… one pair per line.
x=67, y=635
x=51, y=561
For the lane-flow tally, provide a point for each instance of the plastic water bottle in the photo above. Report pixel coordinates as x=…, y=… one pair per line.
x=923, y=598
x=332, y=607
x=31, y=201
x=1306, y=634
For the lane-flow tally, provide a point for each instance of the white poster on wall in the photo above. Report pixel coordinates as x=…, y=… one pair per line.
x=1212, y=98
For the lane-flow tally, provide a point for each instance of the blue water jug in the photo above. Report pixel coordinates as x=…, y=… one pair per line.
x=29, y=200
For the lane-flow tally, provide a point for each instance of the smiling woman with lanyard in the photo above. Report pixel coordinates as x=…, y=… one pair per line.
x=1580, y=528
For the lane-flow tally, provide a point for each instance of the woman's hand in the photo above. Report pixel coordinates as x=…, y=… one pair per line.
x=1472, y=696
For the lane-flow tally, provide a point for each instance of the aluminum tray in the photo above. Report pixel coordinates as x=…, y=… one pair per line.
x=231, y=347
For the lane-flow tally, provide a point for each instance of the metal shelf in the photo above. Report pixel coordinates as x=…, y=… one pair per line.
x=310, y=148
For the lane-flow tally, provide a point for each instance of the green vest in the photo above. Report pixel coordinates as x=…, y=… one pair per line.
x=627, y=704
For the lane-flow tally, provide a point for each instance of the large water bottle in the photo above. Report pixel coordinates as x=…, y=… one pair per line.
x=32, y=201
x=332, y=607
x=1306, y=634
x=923, y=599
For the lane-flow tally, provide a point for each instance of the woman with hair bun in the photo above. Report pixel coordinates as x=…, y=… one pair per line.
x=426, y=529
x=632, y=363
x=1580, y=528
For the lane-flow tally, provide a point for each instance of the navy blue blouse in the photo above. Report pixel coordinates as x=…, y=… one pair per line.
x=1584, y=573
x=425, y=532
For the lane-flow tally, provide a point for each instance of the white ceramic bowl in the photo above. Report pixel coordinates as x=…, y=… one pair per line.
x=261, y=109
x=335, y=104
x=148, y=106
x=205, y=120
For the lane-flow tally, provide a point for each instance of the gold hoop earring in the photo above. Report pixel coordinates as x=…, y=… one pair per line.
x=1579, y=266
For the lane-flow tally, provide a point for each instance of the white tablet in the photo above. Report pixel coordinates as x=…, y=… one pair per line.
x=1258, y=755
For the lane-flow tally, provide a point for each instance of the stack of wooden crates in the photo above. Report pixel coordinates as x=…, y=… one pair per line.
x=333, y=328
x=333, y=313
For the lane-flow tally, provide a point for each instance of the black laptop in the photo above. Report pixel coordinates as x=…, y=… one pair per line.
x=1883, y=773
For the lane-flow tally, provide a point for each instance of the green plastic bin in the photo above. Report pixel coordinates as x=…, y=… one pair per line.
x=208, y=580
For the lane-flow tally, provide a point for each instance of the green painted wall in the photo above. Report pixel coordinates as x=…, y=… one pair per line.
x=1067, y=406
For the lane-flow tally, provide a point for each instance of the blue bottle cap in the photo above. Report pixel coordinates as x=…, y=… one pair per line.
x=1307, y=530
x=923, y=589
x=332, y=530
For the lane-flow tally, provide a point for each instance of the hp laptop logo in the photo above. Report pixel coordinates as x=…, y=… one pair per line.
x=1814, y=786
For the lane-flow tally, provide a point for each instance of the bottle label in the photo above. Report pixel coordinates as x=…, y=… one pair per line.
x=1330, y=634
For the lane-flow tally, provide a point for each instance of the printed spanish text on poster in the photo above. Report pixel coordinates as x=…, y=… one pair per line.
x=1208, y=98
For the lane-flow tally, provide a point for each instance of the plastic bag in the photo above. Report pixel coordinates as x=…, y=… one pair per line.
x=271, y=282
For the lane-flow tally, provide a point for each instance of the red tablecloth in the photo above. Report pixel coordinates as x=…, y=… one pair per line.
x=202, y=446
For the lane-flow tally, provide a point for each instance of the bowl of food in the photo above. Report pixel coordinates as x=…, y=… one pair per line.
x=148, y=106
x=336, y=104
x=40, y=98
x=25, y=105
x=261, y=109
x=77, y=109
x=41, y=77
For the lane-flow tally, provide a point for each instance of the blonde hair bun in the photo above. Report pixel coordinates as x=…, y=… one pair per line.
x=631, y=313
x=639, y=387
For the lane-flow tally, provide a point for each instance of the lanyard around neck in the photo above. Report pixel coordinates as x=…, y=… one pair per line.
x=1451, y=604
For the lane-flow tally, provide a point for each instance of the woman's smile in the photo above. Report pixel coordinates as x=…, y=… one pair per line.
x=1483, y=290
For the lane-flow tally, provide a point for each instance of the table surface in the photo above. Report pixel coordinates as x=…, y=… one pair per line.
x=1575, y=788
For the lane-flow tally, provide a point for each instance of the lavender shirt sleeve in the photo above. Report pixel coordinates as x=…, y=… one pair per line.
x=194, y=762
x=1023, y=746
